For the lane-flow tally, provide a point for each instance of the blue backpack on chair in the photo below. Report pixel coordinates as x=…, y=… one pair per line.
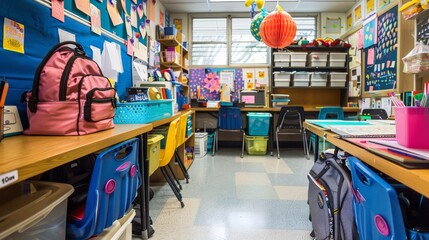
x=113, y=187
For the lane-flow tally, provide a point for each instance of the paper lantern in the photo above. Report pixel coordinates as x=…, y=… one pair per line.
x=278, y=29
x=256, y=24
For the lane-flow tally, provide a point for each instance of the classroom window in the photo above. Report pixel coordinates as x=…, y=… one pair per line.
x=209, y=41
x=245, y=49
x=227, y=40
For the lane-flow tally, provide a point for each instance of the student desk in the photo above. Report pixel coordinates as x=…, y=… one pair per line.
x=417, y=179
x=33, y=155
x=275, y=110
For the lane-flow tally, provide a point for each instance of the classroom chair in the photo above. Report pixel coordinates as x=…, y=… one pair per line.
x=376, y=113
x=327, y=113
x=380, y=213
x=165, y=157
x=112, y=189
x=230, y=120
x=181, y=136
x=290, y=122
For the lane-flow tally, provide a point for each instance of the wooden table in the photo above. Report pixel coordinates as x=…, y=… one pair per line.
x=33, y=155
x=417, y=179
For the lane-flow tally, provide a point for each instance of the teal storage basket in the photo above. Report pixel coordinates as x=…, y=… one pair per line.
x=258, y=124
x=143, y=112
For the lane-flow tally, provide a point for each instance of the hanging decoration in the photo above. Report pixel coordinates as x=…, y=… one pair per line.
x=252, y=10
x=259, y=3
x=256, y=24
x=278, y=29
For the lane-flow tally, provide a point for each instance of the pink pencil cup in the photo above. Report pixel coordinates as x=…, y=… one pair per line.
x=412, y=127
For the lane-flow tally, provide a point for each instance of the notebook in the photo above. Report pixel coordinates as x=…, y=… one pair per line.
x=365, y=131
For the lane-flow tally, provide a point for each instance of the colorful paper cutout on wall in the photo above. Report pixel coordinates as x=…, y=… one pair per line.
x=114, y=14
x=370, y=6
x=197, y=77
x=349, y=21
x=178, y=24
x=95, y=20
x=13, y=36
x=57, y=9
x=383, y=3
x=84, y=6
x=358, y=13
x=133, y=15
x=161, y=18
x=370, y=31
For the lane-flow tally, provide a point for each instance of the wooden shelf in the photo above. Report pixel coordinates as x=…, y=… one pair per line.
x=172, y=43
x=311, y=69
x=188, y=163
x=189, y=137
x=312, y=87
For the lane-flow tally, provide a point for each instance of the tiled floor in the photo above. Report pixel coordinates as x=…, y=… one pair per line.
x=257, y=197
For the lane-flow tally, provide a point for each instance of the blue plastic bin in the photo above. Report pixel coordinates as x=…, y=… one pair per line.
x=377, y=208
x=258, y=123
x=172, y=31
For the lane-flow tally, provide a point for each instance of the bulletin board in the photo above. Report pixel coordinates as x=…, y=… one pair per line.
x=208, y=79
x=423, y=30
x=41, y=33
x=381, y=58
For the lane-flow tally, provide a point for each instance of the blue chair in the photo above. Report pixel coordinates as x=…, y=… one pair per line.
x=113, y=187
x=377, y=207
x=230, y=120
x=327, y=113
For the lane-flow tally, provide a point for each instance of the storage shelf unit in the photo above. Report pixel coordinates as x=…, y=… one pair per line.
x=311, y=95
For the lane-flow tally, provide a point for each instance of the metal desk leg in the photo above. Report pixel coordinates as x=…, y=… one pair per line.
x=271, y=134
x=144, y=188
x=316, y=147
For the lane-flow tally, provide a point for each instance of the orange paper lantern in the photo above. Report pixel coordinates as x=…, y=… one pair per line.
x=278, y=29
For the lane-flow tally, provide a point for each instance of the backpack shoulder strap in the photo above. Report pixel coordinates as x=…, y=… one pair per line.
x=34, y=98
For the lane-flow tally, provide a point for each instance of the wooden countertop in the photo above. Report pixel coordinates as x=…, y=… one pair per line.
x=32, y=155
x=262, y=109
x=417, y=179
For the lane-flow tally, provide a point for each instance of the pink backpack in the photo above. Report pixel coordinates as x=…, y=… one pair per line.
x=70, y=95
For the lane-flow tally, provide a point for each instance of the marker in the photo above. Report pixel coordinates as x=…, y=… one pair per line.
x=4, y=87
x=404, y=153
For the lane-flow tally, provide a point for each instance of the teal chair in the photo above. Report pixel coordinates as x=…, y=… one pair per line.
x=326, y=113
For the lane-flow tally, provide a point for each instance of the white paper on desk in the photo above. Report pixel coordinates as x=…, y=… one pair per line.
x=139, y=72
x=111, y=60
x=66, y=36
x=96, y=55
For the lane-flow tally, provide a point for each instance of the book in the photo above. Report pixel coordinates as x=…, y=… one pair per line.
x=365, y=131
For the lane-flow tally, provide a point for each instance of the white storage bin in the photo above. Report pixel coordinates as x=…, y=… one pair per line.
x=338, y=83
x=338, y=76
x=281, y=83
x=34, y=210
x=301, y=83
x=281, y=64
x=317, y=63
x=301, y=76
x=334, y=63
x=200, y=148
x=333, y=56
x=319, y=56
x=319, y=79
x=298, y=56
x=298, y=63
x=282, y=76
x=281, y=56
x=121, y=229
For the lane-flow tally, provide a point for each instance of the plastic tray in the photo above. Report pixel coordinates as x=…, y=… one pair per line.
x=256, y=145
x=143, y=112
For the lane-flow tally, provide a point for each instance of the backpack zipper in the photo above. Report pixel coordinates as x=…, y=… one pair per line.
x=66, y=73
x=331, y=208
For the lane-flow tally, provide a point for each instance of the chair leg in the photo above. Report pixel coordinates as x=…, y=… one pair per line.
x=172, y=186
x=173, y=180
x=242, y=144
x=277, y=143
x=214, y=142
x=182, y=166
x=305, y=143
x=174, y=176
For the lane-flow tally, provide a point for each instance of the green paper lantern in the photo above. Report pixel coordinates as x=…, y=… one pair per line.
x=256, y=23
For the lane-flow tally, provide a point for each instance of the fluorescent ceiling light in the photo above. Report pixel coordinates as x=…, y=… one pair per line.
x=237, y=1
